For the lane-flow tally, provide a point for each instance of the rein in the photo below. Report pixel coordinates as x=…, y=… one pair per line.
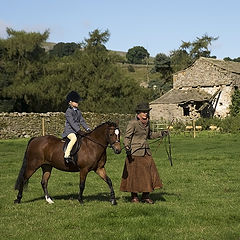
x=167, y=146
x=84, y=136
x=102, y=145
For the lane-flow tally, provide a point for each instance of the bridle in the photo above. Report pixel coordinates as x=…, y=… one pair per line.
x=116, y=132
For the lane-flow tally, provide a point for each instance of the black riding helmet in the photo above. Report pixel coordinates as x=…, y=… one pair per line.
x=73, y=97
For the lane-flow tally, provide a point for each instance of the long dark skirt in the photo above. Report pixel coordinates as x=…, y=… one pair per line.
x=140, y=175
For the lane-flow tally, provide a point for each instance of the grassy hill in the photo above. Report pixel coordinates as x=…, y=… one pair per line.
x=141, y=73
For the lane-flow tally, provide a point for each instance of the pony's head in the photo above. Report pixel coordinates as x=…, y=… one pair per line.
x=113, y=135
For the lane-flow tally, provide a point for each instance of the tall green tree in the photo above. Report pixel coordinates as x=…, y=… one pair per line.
x=235, y=106
x=137, y=55
x=64, y=49
x=162, y=65
x=199, y=47
x=189, y=52
x=180, y=59
x=21, y=58
x=40, y=83
x=103, y=86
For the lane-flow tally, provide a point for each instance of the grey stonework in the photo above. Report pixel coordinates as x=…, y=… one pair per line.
x=205, y=88
x=26, y=125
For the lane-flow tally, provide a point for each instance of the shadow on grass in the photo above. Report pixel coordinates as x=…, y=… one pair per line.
x=101, y=197
x=105, y=197
x=155, y=196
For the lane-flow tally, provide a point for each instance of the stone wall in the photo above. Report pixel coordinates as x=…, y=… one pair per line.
x=26, y=125
x=165, y=112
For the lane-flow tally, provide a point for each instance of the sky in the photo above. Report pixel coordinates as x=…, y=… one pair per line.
x=159, y=26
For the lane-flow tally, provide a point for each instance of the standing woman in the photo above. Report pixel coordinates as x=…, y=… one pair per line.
x=140, y=174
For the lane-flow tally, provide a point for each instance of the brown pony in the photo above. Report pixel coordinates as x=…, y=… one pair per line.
x=47, y=152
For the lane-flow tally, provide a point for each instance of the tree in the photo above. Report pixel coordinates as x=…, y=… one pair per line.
x=189, y=52
x=103, y=87
x=137, y=55
x=22, y=57
x=180, y=59
x=199, y=47
x=235, y=107
x=38, y=83
x=162, y=65
x=64, y=49
x=230, y=59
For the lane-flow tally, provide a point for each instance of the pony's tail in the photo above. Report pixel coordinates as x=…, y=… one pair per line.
x=20, y=180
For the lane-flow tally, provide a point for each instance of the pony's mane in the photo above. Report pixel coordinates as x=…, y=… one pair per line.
x=111, y=124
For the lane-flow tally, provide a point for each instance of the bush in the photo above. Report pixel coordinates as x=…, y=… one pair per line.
x=207, y=122
x=230, y=124
x=227, y=125
x=131, y=68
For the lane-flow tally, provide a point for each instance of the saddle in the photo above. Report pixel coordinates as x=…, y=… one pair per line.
x=75, y=147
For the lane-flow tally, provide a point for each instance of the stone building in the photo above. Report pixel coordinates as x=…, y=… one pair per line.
x=204, y=89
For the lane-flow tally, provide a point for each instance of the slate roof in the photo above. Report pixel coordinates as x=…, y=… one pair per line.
x=230, y=66
x=177, y=96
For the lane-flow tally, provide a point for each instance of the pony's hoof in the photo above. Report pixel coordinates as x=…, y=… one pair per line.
x=17, y=201
x=49, y=200
x=80, y=201
x=113, y=202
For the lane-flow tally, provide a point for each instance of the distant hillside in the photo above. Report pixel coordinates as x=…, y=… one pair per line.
x=141, y=72
x=49, y=46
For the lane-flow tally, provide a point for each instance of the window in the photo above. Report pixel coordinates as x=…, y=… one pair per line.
x=186, y=111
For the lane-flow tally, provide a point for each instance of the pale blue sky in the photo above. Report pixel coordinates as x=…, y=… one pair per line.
x=159, y=26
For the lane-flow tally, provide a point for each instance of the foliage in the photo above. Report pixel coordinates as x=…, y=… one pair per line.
x=207, y=122
x=196, y=201
x=159, y=86
x=180, y=60
x=162, y=65
x=189, y=52
x=131, y=68
x=137, y=55
x=64, y=49
x=199, y=47
x=229, y=124
x=23, y=57
x=230, y=59
x=38, y=82
x=235, y=106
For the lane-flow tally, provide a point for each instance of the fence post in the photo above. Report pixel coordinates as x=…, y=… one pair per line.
x=194, y=129
x=43, y=126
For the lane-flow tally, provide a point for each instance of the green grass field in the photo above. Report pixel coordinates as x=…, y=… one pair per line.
x=200, y=198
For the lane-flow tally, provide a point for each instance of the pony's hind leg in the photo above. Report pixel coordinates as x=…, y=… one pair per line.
x=102, y=173
x=21, y=182
x=20, y=191
x=46, y=169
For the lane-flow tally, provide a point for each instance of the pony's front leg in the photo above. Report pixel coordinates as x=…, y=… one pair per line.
x=102, y=173
x=46, y=169
x=83, y=176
